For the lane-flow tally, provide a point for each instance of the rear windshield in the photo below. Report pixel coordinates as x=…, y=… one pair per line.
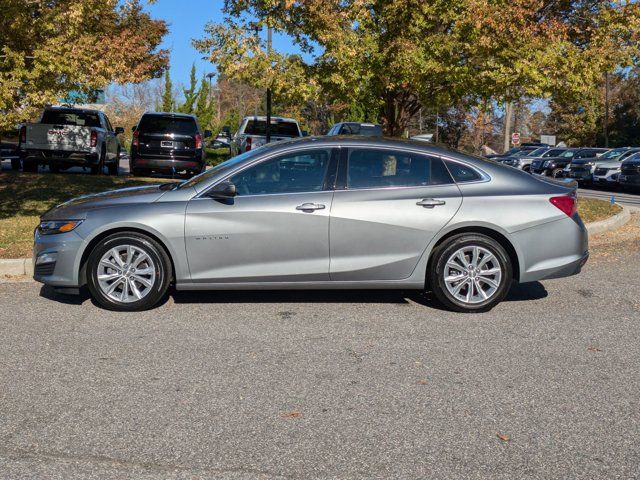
x=71, y=117
x=278, y=128
x=168, y=124
x=357, y=129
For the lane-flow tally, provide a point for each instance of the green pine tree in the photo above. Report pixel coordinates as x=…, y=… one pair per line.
x=205, y=106
x=191, y=94
x=168, y=101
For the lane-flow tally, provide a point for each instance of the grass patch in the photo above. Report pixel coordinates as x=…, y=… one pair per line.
x=217, y=155
x=592, y=210
x=24, y=197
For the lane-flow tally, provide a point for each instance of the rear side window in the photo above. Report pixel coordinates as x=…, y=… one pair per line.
x=462, y=173
x=71, y=117
x=278, y=128
x=168, y=124
x=369, y=168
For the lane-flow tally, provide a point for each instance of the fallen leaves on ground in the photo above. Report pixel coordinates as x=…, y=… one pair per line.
x=503, y=436
x=292, y=415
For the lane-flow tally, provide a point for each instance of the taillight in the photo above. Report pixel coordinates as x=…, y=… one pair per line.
x=23, y=134
x=94, y=138
x=136, y=140
x=198, y=139
x=248, y=143
x=567, y=203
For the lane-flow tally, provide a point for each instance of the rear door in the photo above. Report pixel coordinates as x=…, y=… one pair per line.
x=388, y=206
x=170, y=136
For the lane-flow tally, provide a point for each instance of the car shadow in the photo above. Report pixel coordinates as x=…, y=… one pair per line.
x=517, y=293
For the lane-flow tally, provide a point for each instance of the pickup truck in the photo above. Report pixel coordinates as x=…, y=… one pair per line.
x=68, y=137
x=253, y=132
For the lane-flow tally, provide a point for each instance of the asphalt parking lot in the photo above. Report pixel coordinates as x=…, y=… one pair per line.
x=328, y=384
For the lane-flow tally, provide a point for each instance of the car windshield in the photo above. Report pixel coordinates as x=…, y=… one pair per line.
x=221, y=167
x=554, y=152
x=537, y=152
x=524, y=152
x=167, y=124
x=567, y=154
x=611, y=154
x=71, y=117
x=513, y=151
x=280, y=128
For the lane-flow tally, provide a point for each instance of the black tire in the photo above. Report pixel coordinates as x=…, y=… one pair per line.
x=113, y=167
x=30, y=165
x=443, y=252
x=162, y=277
x=526, y=168
x=140, y=172
x=16, y=164
x=556, y=173
x=98, y=168
x=54, y=167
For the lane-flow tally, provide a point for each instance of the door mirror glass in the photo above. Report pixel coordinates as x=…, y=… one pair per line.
x=223, y=190
x=133, y=129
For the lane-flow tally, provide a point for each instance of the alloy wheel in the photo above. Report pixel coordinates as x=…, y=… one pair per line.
x=472, y=274
x=126, y=273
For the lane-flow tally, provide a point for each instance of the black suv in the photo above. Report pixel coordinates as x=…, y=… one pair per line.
x=554, y=167
x=356, y=128
x=168, y=143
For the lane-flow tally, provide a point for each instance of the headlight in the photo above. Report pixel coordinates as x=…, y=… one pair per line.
x=52, y=227
x=547, y=164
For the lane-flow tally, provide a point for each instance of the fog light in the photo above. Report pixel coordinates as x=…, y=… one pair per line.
x=46, y=258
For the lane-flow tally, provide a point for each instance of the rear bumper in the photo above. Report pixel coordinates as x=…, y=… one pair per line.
x=63, y=157
x=166, y=164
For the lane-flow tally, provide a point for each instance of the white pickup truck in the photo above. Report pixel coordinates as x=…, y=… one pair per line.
x=67, y=137
x=253, y=132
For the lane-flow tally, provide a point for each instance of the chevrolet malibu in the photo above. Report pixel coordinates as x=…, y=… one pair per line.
x=319, y=213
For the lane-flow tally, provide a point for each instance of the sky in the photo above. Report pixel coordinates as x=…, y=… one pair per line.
x=186, y=20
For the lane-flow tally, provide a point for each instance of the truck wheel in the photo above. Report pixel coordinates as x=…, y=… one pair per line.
x=556, y=173
x=112, y=168
x=30, y=165
x=54, y=168
x=98, y=168
x=15, y=164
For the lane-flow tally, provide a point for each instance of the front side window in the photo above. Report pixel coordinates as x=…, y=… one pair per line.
x=292, y=173
x=369, y=168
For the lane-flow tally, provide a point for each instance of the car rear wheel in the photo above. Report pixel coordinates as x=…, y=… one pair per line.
x=470, y=273
x=15, y=164
x=128, y=272
x=112, y=168
x=30, y=165
x=98, y=168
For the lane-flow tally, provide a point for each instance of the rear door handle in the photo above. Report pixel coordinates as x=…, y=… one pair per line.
x=430, y=202
x=310, y=207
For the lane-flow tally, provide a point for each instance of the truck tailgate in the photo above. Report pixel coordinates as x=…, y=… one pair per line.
x=44, y=136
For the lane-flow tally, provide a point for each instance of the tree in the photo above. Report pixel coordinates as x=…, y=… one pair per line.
x=168, y=100
x=404, y=55
x=49, y=48
x=206, y=105
x=191, y=94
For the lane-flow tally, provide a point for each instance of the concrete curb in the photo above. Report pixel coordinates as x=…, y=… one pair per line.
x=16, y=266
x=24, y=266
x=611, y=223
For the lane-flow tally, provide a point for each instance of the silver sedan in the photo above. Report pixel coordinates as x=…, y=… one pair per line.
x=319, y=213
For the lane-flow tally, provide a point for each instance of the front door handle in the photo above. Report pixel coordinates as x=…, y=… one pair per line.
x=310, y=207
x=430, y=202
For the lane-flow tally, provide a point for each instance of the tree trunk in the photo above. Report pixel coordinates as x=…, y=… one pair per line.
x=399, y=107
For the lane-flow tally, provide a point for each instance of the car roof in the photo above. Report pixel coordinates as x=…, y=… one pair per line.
x=75, y=109
x=263, y=117
x=169, y=114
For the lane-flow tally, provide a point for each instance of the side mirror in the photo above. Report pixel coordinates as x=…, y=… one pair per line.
x=133, y=129
x=118, y=130
x=226, y=130
x=223, y=190
x=305, y=133
x=208, y=133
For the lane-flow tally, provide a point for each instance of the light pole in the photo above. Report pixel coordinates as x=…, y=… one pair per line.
x=210, y=77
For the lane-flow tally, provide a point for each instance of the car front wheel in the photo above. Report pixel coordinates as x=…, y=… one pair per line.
x=470, y=273
x=128, y=272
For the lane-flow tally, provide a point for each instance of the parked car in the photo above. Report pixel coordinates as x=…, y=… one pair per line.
x=168, y=143
x=253, y=132
x=523, y=162
x=521, y=150
x=582, y=169
x=356, y=128
x=67, y=137
x=555, y=166
x=392, y=211
x=423, y=137
x=606, y=172
x=629, y=177
x=10, y=151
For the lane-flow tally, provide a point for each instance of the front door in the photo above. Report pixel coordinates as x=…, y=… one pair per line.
x=275, y=230
x=391, y=206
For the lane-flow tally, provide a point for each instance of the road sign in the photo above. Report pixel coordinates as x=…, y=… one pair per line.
x=515, y=138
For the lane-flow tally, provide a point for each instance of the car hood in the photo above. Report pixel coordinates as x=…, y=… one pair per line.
x=609, y=164
x=77, y=208
x=582, y=161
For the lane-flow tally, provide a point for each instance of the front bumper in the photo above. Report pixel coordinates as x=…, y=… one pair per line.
x=630, y=180
x=64, y=247
x=580, y=175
